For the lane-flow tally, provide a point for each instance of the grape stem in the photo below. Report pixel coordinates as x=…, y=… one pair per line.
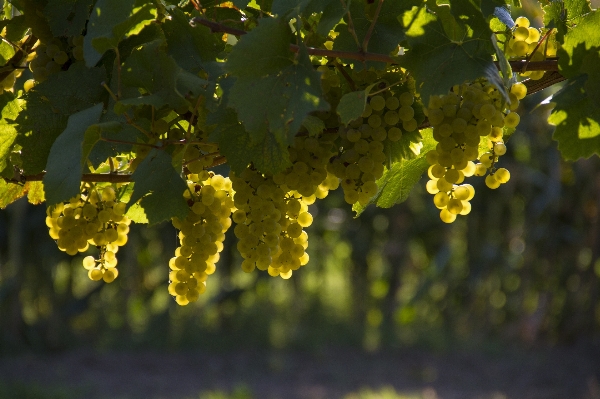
x=551, y=64
x=365, y=43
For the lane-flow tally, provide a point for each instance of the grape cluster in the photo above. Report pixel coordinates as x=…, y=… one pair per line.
x=270, y=221
x=96, y=218
x=51, y=57
x=201, y=235
x=362, y=159
x=308, y=175
x=524, y=42
x=461, y=119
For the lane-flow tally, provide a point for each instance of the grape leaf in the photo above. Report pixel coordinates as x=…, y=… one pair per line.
x=446, y=50
x=10, y=192
x=73, y=90
x=8, y=132
x=565, y=14
x=110, y=22
x=352, y=105
x=159, y=188
x=332, y=14
x=16, y=28
x=65, y=161
x=297, y=89
x=268, y=155
x=6, y=52
x=264, y=50
x=397, y=182
x=579, y=42
x=100, y=150
x=150, y=70
x=35, y=192
x=387, y=33
x=313, y=125
x=47, y=106
x=67, y=17
x=193, y=48
x=577, y=120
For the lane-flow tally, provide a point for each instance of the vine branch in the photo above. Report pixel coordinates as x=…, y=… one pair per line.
x=365, y=43
x=551, y=64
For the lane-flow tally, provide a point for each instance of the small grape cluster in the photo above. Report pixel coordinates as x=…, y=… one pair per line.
x=524, y=41
x=270, y=221
x=460, y=119
x=201, y=235
x=308, y=174
x=363, y=157
x=91, y=218
x=52, y=57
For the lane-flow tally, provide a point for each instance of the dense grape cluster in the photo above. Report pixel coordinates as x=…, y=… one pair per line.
x=362, y=159
x=270, y=220
x=201, y=235
x=308, y=175
x=461, y=119
x=96, y=218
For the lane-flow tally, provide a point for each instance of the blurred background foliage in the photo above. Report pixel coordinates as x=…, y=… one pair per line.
x=524, y=265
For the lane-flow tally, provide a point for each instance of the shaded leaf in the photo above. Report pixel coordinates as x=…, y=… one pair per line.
x=110, y=22
x=67, y=17
x=65, y=161
x=352, y=105
x=159, y=188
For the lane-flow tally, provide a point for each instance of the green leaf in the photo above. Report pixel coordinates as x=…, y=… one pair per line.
x=446, y=50
x=9, y=110
x=297, y=90
x=10, y=192
x=110, y=22
x=397, y=182
x=67, y=17
x=193, y=48
x=565, y=14
x=157, y=77
x=73, y=90
x=35, y=192
x=577, y=120
x=136, y=214
x=386, y=35
x=269, y=156
x=265, y=50
x=7, y=51
x=16, y=28
x=313, y=125
x=47, y=106
x=352, y=105
x=579, y=42
x=118, y=130
x=332, y=14
x=65, y=161
x=159, y=187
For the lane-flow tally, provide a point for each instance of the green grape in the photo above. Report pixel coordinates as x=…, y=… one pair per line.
x=521, y=33
x=519, y=90
x=522, y=22
x=377, y=103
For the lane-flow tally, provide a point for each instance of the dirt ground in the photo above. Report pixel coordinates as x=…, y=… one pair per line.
x=571, y=372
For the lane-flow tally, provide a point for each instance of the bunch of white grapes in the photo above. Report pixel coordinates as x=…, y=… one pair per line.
x=270, y=221
x=461, y=119
x=93, y=217
x=201, y=235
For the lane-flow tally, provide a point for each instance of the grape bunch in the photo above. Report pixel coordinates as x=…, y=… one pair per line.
x=461, y=119
x=52, y=57
x=96, y=218
x=308, y=175
x=362, y=160
x=201, y=235
x=270, y=221
x=524, y=42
